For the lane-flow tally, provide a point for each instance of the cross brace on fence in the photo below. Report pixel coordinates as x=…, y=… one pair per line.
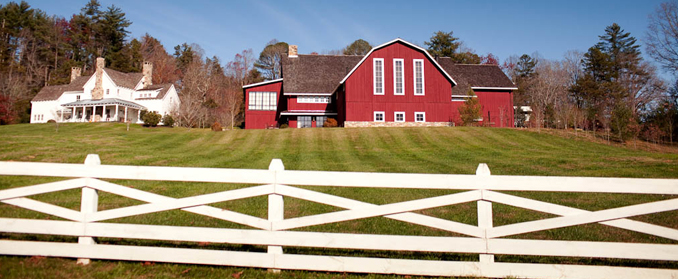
x=483, y=239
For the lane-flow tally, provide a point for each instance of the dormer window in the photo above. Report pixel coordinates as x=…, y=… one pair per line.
x=378, y=76
x=77, y=97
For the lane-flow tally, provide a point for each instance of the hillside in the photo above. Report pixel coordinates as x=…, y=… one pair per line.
x=414, y=150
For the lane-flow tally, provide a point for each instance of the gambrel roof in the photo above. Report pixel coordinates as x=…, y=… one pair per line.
x=324, y=73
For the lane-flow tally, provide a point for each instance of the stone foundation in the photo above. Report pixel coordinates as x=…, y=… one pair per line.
x=354, y=124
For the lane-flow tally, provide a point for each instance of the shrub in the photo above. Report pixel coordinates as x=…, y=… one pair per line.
x=168, y=121
x=283, y=126
x=330, y=122
x=470, y=110
x=51, y=121
x=150, y=118
x=216, y=127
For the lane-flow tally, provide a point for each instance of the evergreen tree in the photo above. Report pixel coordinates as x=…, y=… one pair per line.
x=443, y=44
x=184, y=55
x=112, y=32
x=470, y=110
x=525, y=67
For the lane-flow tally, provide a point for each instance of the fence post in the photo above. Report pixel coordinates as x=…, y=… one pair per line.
x=485, y=214
x=88, y=204
x=276, y=207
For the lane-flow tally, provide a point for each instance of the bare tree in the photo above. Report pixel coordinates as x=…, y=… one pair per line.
x=195, y=86
x=547, y=88
x=661, y=37
x=269, y=62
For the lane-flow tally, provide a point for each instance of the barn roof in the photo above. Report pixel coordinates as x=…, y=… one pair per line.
x=316, y=73
x=474, y=75
x=323, y=73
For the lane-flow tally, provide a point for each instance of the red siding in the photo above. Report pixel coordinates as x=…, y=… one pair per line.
x=492, y=103
x=294, y=105
x=255, y=119
x=361, y=102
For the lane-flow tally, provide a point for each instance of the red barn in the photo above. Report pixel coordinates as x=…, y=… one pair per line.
x=395, y=84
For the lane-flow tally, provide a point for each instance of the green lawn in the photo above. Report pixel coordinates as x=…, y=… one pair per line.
x=414, y=150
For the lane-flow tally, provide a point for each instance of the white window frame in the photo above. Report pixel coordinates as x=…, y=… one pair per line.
x=396, y=113
x=256, y=100
x=415, y=61
x=424, y=116
x=403, y=89
x=375, y=76
x=375, y=113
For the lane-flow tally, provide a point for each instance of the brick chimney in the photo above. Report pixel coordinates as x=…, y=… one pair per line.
x=147, y=72
x=292, y=51
x=75, y=73
x=98, y=90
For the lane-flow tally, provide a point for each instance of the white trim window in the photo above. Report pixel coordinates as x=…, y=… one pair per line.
x=419, y=116
x=398, y=77
x=378, y=76
x=313, y=100
x=262, y=101
x=399, y=116
x=378, y=116
x=418, y=77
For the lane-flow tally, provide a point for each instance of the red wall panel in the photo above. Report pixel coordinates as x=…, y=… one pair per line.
x=361, y=102
x=294, y=105
x=257, y=119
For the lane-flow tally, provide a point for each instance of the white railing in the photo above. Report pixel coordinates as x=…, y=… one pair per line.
x=484, y=239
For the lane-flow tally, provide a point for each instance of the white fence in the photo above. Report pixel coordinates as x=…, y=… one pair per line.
x=484, y=239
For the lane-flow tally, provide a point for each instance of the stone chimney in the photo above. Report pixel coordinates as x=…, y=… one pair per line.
x=75, y=73
x=98, y=90
x=292, y=51
x=147, y=72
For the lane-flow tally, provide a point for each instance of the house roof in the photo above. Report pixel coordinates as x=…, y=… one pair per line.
x=164, y=88
x=316, y=73
x=53, y=92
x=128, y=80
x=107, y=101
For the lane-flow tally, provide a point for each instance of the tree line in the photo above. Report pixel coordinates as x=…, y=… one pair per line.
x=609, y=89
x=38, y=50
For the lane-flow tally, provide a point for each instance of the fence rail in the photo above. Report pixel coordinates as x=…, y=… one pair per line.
x=483, y=239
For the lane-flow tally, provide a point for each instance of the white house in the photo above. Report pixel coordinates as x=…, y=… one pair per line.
x=105, y=96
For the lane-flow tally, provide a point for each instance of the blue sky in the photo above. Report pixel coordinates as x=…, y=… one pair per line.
x=504, y=28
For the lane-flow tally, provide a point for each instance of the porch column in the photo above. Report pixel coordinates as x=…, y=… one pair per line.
x=115, y=116
x=73, y=115
x=138, y=115
x=84, y=111
x=125, y=114
x=94, y=113
x=103, y=113
x=62, y=115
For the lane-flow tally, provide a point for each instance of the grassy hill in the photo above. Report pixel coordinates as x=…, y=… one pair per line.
x=415, y=150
